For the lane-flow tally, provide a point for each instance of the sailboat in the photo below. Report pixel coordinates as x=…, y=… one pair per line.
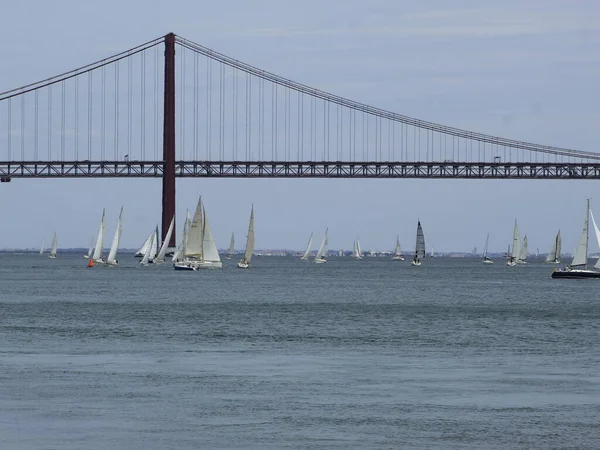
x=200, y=250
x=160, y=258
x=53, y=248
x=179, y=255
x=578, y=268
x=524, y=252
x=320, y=257
x=554, y=255
x=419, y=246
x=144, y=248
x=245, y=261
x=111, y=260
x=146, y=259
x=516, y=247
x=42, y=248
x=97, y=255
x=486, y=258
x=231, y=245
x=307, y=251
x=432, y=255
x=398, y=251
x=90, y=250
x=356, y=252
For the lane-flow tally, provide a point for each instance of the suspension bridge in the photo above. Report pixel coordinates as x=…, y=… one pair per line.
x=221, y=117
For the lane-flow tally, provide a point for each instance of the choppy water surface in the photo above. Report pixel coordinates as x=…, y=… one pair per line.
x=291, y=354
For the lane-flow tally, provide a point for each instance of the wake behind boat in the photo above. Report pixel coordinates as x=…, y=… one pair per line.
x=578, y=268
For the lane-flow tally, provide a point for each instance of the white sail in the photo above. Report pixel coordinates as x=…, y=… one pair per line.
x=322, y=247
x=249, y=240
x=307, y=251
x=397, y=250
x=146, y=257
x=163, y=248
x=231, y=246
x=516, y=247
x=356, y=253
x=54, y=247
x=112, y=254
x=179, y=253
x=91, y=249
x=145, y=246
x=597, y=231
x=420, y=243
x=100, y=239
x=485, y=249
x=154, y=246
x=581, y=253
x=193, y=245
x=554, y=254
x=42, y=247
x=209, y=247
x=524, y=250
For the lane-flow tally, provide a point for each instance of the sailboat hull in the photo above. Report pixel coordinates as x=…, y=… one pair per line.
x=575, y=274
x=320, y=261
x=209, y=265
x=183, y=266
x=415, y=263
x=488, y=261
x=242, y=265
x=52, y=256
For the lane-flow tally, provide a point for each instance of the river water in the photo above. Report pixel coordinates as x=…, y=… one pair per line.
x=294, y=355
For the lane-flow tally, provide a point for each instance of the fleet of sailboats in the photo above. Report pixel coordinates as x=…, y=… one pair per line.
x=197, y=248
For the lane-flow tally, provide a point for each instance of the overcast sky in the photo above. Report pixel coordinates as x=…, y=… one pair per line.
x=521, y=70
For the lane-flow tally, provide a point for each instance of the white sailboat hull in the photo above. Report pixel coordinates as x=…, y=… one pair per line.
x=488, y=261
x=243, y=265
x=320, y=261
x=511, y=263
x=52, y=256
x=398, y=258
x=208, y=264
x=415, y=263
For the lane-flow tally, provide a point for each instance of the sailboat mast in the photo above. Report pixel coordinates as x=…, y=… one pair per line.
x=587, y=231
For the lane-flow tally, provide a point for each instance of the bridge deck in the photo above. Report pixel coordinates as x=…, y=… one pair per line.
x=320, y=169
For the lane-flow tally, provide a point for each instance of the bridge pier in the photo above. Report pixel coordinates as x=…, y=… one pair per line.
x=168, y=178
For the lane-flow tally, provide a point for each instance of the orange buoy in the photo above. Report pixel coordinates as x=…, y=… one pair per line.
x=91, y=263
